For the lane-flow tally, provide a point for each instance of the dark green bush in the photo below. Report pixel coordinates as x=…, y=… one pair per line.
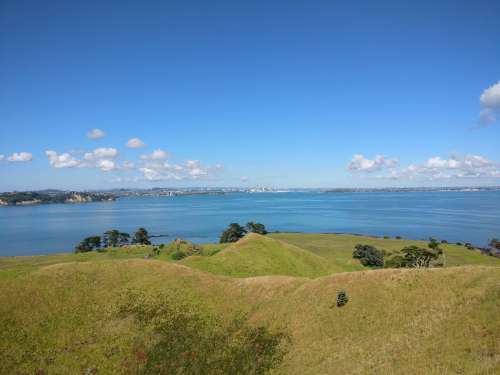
x=233, y=233
x=369, y=255
x=178, y=255
x=342, y=298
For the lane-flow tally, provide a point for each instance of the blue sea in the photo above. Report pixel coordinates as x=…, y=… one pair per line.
x=455, y=216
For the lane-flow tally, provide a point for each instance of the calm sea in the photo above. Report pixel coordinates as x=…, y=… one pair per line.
x=455, y=216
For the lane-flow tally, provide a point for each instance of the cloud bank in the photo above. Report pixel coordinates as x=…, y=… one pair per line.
x=359, y=163
x=434, y=168
x=20, y=157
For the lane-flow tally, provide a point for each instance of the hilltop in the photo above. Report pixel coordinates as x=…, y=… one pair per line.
x=107, y=312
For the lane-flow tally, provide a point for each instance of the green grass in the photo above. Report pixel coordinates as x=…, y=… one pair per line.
x=338, y=248
x=60, y=313
x=257, y=255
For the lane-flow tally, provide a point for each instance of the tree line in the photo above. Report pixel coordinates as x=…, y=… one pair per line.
x=113, y=238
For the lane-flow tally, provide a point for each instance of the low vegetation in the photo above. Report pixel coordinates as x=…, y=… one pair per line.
x=369, y=255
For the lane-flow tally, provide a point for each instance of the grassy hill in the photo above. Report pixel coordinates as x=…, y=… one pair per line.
x=115, y=314
x=256, y=255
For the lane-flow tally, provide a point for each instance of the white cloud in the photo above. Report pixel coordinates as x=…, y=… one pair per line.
x=106, y=165
x=2, y=157
x=158, y=170
x=156, y=155
x=96, y=134
x=244, y=178
x=101, y=158
x=359, y=163
x=64, y=160
x=490, y=104
x=135, y=143
x=101, y=153
x=20, y=156
x=456, y=167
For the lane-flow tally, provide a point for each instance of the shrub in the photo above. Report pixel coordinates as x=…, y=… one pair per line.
x=386, y=237
x=178, y=255
x=180, y=249
x=256, y=228
x=398, y=237
x=444, y=241
x=233, y=233
x=342, y=298
x=396, y=261
x=459, y=244
x=369, y=255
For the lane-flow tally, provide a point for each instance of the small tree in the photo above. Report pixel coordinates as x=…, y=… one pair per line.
x=419, y=257
x=110, y=238
x=342, y=298
x=88, y=244
x=256, y=228
x=141, y=237
x=369, y=255
x=123, y=239
x=233, y=233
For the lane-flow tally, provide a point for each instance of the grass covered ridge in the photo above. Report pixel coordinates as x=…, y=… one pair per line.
x=256, y=255
x=109, y=312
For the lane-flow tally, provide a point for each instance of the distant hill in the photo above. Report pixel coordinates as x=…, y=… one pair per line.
x=50, y=196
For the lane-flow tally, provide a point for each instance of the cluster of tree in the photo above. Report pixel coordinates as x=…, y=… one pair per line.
x=409, y=257
x=235, y=231
x=113, y=238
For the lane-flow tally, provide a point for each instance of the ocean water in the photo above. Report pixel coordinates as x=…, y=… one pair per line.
x=455, y=216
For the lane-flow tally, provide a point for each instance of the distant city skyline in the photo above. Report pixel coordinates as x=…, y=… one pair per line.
x=103, y=95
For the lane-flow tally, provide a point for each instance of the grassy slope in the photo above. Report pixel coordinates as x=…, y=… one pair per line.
x=337, y=248
x=257, y=255
x=62, y=317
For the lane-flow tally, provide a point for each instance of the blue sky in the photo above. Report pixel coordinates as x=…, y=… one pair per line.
x=274, y=93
